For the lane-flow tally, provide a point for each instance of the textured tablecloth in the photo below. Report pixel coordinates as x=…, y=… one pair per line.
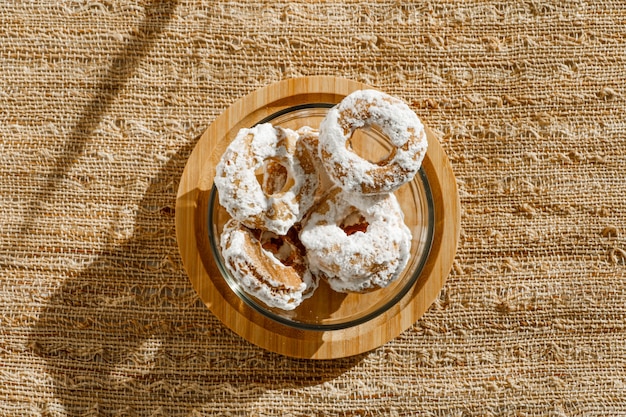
x=102, y=101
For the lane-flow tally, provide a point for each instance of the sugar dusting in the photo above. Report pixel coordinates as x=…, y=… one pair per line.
x=265, y=278
x=240, y=192
x=395, y=119
x=362, y=260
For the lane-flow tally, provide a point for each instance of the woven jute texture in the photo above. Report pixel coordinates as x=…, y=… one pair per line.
x=102, y=101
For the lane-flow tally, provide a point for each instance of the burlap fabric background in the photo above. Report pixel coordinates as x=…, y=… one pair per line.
x=101, y=102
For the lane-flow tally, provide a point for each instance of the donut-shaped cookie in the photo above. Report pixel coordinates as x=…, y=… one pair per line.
x=365, y=108
x=280, y=159
x=269, y=267
x=358, y=243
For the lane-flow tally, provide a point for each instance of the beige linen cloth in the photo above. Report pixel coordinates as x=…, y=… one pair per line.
x=102, y=101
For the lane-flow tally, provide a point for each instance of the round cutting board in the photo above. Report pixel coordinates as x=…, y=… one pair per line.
x=192, y=232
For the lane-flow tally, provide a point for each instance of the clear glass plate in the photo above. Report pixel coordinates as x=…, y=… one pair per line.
x=327, y=309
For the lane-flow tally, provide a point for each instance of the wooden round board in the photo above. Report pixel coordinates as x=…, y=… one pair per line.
x=193, y=237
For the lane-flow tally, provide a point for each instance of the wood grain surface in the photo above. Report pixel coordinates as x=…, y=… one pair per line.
x=193, y=237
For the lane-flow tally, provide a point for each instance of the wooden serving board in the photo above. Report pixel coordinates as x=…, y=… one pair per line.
x=193, y=237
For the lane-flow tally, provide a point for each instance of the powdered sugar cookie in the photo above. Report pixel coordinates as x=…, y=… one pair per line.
x=395, y=119
x=358, y=243
x=288, y=181
x=269, y=267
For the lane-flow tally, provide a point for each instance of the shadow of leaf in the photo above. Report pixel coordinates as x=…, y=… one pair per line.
x=157, y=15
x=128, y=333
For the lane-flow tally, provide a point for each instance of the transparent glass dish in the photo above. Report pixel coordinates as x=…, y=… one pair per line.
x=326, y=309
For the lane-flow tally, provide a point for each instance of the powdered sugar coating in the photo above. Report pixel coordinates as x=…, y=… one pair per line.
x=261, y=273
x=395, y=119
x=240, y=192
x=360, y=261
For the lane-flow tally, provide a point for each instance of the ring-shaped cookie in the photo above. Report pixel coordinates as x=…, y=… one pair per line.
x=242, y=195
x=394, y=118
x=269, y=267
x=357, y=243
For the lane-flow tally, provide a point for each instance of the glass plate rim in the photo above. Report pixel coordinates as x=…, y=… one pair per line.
x=217, y=256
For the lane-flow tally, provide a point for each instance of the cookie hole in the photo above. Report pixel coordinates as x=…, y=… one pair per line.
x=274, y=177
x=371, y=144
x=279, y=247
x=353, y=223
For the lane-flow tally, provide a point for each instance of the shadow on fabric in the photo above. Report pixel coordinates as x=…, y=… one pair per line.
x=128, y=334
x=158, y=14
